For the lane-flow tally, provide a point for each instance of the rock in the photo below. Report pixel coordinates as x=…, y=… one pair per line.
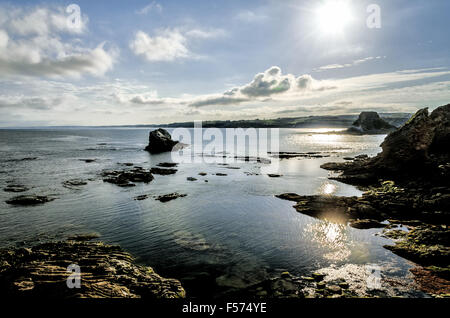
x=425, y=245
x=285, y=274
x=125, y=178
x=334, y=289
x=370, y=123
x=170, y=197
x=162, y=171
x=141, y=197
x=167, y=164
x=160, y=140
x=106, y=272
x=191, y=179
x=274, y=175
x=318, y=276
x=221, y=174
x=15, y=188
x=29, y=200
x=202, y=174
x=74, y=183
x=366, y=224
x=83, y=237
x=88, y=160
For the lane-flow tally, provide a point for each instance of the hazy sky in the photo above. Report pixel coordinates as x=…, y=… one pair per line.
x=139, y=62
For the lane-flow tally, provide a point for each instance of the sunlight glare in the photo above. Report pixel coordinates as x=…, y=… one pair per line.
x=333, y=16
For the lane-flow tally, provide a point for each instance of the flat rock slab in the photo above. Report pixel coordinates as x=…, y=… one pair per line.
x=162, y=171
x=29, y=200
x=106, y=272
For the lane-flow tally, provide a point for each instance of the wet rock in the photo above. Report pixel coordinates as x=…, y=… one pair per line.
x=88, y=160
x=167, y=164
x=141, y=197
x=221, y=174
x=191, y=179
x=162, y=171
x=29, y=200
x=274, y=175
x=160, y=140
x=334, y=289
x=366, y=224
x=170, y=197
x=106, y=272
x=202, y=174
x=74, y=183
x=15, y=188
x=125, y=178
x=318, y=276
x=425, y=245
x=394, y=234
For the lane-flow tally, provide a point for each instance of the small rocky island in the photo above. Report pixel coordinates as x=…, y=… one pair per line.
x=370, y=123
x=160, y=141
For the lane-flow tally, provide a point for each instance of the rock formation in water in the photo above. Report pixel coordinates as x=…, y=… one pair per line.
x=106, y=271
x=420, y=148
x=370, y=123
x=160, y=141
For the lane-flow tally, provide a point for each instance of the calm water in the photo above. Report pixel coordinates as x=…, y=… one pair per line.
x=228, y=232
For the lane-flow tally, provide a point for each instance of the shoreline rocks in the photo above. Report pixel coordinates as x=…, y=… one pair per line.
x=106, y=272
x=125, y=178
x=28, y=200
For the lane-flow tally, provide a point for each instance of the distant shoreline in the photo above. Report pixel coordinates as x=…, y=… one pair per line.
x=338, y=121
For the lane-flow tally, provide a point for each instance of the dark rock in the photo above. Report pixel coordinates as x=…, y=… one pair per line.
x=191, y=179
x=160, y=140
x=162, y=171
x=167, y=164
x=370, y=123
x=274, y=175
x=88, y=160
x=125, y=178
x=202, y=174
x=106, y=272
x=170, y=197
x=221, y=174
x=366, y=224
x=29, y=200
x=142, y=197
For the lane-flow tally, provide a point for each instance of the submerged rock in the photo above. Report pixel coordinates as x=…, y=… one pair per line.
x=106, y=272
x=15, y=188
x=125, y=178
x=160, y=140
x=167, y=164
x=162, y=171
x=170, y=197
x=366, y=224
x=74, y=183
x=29, y=200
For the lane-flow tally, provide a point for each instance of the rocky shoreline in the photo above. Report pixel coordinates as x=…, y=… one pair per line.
x=407, y=183
x=105, y=271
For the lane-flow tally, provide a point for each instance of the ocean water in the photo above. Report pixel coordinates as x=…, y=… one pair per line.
x=229, y=232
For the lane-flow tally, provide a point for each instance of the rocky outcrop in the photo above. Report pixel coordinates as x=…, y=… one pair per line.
x=418, y=151
x=370, y=123
x=160, y=141
x=170, y=197
x=127, y=177
x=106, y=272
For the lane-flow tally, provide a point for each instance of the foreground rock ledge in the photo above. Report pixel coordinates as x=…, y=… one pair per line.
x=106, y=272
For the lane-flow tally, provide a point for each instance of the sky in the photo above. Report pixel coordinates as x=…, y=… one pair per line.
x=156, y=62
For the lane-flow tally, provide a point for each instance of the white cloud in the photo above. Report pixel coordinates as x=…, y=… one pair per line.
x=168, y=46
x=31, y=45
x=354, y=63
x=153, y=6
x=206, y=34
x=250, y=16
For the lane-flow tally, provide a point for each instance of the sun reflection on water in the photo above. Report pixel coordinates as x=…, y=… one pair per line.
x=332, y=237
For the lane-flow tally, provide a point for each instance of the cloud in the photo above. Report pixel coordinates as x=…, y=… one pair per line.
x=31, y=45
x=263, y=87
x=168, y=46
x=153, y=6
x=206, y=34
x=250, y=16
x=354, y=63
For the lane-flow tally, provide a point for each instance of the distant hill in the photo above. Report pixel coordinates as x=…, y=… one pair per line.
x=338, y=121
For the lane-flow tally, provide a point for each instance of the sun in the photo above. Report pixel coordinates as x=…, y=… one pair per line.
x=333, y=16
